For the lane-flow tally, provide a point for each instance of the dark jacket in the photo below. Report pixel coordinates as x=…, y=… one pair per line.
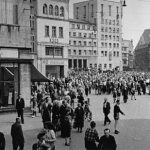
x=107, y=143
x=17, y=133
x=20, y=104
x=2, y=141
x=117, y=111
x=106, y=110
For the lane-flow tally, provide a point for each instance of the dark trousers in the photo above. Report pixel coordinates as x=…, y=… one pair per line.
x=20, y=114
x=18, y=145
x=106, y=118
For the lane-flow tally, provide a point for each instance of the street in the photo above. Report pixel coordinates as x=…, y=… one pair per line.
x=134, y=126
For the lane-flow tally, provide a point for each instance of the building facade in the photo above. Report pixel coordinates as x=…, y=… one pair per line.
x=107, y=15
x=52, y=37
x=142, y=52
x=15, y=52
x=82, y=50
x=127, y=54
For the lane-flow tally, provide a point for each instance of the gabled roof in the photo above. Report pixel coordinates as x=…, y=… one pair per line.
x=144, y=39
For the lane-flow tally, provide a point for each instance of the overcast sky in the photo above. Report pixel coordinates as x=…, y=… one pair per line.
x=136, y=18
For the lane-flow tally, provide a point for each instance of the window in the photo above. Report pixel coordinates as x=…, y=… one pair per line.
x=44, y=9
x=109, y=10
x=105, y=66
x=102, y=37
x=114, y=22
x=78, y=26
x=102, y=20
x=90, y=44
x=73, y=26
x=88, y=27
x=95, y=44
x=56, y=11
x=69, y=51
x=94, y=52
x=92, y=10
x=80, y=43
x=49, y=51
x=110, y=30
x=110, y=66
x=74, y=42
x=58, y=51
x=46, y=31
x=85, y=35
x=90, y=52
x=106, y=37
x=110, y=45
x=84, y=7
x=61, y=32
x=117, y=54
x=117, y=22
x=117, y=38
x=80, y=52
x=102, y=44
x=102, y=7
x=62, y=11
x=117, y=9
x=113, y=30
x=90, y=35
x=70, y=42
x=106, y=29
x=84, y=52
x=117, y=30
x=74, y=52
x=102, y=29
x=117, y=45
x=80, y=34
x=51, y=10
x=106, y=53
x=77, y=12
x=15, y=13
x=114, y=38
x=106, y=45
x=83, y=27
x=53, y=31
x=70, y=34
x=74, y=33
x=109, y=22
x=109, y=37
x=84, y=43
x=106, y=21
x=114, y=45
x=114, y=53
x=102, y=53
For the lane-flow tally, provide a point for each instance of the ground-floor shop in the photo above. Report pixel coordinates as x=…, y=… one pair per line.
x=77, y=63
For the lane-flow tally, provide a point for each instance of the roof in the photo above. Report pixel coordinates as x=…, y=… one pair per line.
x=144, y=39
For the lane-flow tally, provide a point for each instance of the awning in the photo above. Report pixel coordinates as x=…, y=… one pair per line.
x=36, y=76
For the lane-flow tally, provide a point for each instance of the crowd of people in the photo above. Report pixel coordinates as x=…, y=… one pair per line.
x=55, y=101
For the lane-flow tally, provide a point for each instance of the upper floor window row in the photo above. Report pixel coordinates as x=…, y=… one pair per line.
x=53, y=10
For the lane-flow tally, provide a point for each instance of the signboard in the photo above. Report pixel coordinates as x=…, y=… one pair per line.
x=8, y=65
x=53, y=41
x=55, y=62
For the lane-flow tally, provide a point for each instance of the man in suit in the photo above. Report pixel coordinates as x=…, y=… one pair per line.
x=107, y=141
x=17, y=135
x=106, y=111
x=20, y=107
x=2, y=141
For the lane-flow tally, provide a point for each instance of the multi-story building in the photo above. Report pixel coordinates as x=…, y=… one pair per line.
x=107, y=15
x=82, y=50
x=15, y=51
x=142, y=52
x=127, y=54
x=52, y=36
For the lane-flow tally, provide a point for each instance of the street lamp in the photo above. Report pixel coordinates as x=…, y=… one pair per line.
x=124, y=3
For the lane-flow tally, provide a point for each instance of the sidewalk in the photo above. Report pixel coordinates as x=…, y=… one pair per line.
x=31, y=128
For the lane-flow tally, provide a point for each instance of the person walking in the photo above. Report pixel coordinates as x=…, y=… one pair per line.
x=17, y=135
x=91, y=137
x=2, y=141
x=20, y=104
x=106, y=111
x=116, y=115
x=33, y=106
x=107, y=141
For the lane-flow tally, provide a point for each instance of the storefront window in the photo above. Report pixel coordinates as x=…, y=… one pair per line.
x=58, y=51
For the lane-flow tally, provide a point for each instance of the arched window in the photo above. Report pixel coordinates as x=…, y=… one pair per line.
x=62, y=11
x=44, y=9
x=50, y=9
x=56, y=11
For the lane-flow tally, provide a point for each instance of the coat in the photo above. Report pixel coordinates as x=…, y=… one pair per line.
x=17, y=134
x=2, y=141
x=79, y=117
x=20, y=104
x=106, y=110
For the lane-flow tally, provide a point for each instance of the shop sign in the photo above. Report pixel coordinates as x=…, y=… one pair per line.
x=9, y=65
x=55, y=62
x=54, y=40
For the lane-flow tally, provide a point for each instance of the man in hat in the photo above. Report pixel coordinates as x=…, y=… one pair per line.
x=117, y=110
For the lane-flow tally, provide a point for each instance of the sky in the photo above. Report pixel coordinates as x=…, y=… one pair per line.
x=136, y=18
